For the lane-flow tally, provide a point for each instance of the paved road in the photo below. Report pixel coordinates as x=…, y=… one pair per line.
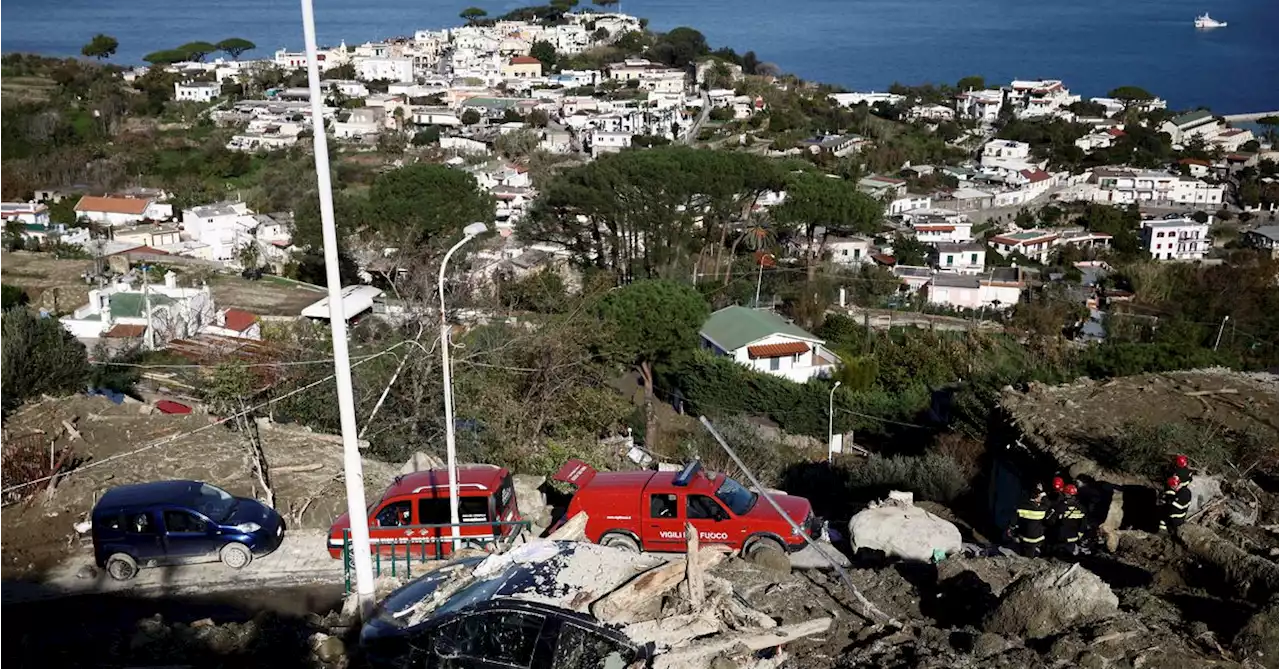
x=692, y=135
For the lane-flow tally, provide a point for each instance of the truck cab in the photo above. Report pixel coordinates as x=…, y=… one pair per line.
x=648, y=510
x=414, y=509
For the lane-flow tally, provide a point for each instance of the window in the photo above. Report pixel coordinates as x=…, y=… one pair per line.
x=395, y=514
x=973, y=258
x=662, y=506
x=844, y=252
x=140, y=523
x=950, y=259
x=184, y=522
x=586, y=649
x=857, y=253
x=775, y=364
x=496, y=637
x=703, y=507
x=435, y=511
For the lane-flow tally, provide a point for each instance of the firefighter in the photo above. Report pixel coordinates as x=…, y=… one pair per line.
x=1182, y=468
x=1177, y=499
x=1030, y=528
x=1068, y=518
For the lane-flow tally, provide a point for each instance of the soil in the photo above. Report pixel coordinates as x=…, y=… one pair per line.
x=38, y=531
x=268, y=296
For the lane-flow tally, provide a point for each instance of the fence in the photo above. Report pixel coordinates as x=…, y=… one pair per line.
x=396, y=556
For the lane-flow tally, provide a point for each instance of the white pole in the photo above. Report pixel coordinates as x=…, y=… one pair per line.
x=149, y=337
x=760, y=279
x=1218, y=340
x=352, y=466
x=831, y=422
x=450, y=443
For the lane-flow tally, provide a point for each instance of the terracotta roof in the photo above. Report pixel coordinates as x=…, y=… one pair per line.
x=114, y=205
x=123, y=331
x=525, y=60
x=1193, y=161
x=142, y=249
x=239, y=319
x=884, y=259
x=935, y=228
x=1115, y=132
x=777, y=350
x=1035, y=176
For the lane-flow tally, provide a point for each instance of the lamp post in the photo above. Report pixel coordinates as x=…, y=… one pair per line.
x=831, y=421
x=351, y=465
x=760, y=278
x=450, y=444
x=1218, y=340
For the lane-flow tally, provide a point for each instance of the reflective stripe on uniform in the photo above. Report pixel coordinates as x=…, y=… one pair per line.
x=1075, y=515
x=1030, y=514
x=1074, y=539
x=1181, y=506
x=1029, y=540
x=1178, y=515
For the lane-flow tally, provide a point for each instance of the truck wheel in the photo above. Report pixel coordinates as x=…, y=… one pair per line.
x=619, y=540
x=768, y=554
x=236, y=556
x=122, y=567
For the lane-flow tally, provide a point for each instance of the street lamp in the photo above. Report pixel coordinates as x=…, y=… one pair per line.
x=451, y=449
x=831, y=403
x=760, y=278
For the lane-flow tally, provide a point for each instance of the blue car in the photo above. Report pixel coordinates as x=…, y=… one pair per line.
x=180, y=522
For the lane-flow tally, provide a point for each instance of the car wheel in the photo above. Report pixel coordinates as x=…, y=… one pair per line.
x=122, y=567
x=767, y=554
x=236, y=556
x=622, y=541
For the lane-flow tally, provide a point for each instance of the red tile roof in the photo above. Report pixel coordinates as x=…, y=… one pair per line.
x=884, y=259
x=1193, y=161
x=1115, y=132
x=935, y=228
x=114, y=205
x=123, y=331
x=1035, y=176
x=777, y=350
x=525, y=60
x=142, y=249
x=240, y=320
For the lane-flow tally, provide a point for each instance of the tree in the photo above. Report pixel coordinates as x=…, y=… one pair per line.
x=38, y=356
x=680, y=47
x=13, y=296
x=652, y=322
x=472, y=14
x=429, y=135
x=416, y=203
x=227, y=392
x=196, y=51
x=234, y=46
x=910, y=251
x=470, y=117
x=1087, y=109
x=517, y=144
x=1130, y=94
x=972, y=83
x=165, y=57
x=563, y=7
x=750, y=62
x=817, y=200
x=544, y=51
x=607, y=4
x=1200, y=217
x=100, y=47
x=538, y=118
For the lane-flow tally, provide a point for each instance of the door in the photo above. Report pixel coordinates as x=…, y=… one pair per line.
x=712, y=521
x=491, y=639
x=389, y=527
x=142, y=536
x=664, y=524
x=187, y=537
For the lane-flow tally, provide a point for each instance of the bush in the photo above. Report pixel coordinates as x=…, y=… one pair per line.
x=1146, y=450
x=933, y=476
x=38, y=356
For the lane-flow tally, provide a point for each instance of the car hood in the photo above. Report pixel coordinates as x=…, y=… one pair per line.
x=252, y=511
x=798, y=508
x=341, y=523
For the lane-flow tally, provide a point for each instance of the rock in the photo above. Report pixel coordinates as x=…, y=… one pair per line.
x=1204, y=489
x=903, y=531
x=1257, y=639
x=996, y=572
x=1092, y=660
x=419, y=462
x=86, y=572
x=532, y=501
x=988, y=644
x=1051, y=601
x=146, y=409
x=327, y=648
x=203, y=622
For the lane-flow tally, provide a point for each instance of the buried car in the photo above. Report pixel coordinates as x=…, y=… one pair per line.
x=179, y=522
x=551, y=604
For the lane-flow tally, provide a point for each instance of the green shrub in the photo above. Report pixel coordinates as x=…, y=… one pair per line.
x=932, y=476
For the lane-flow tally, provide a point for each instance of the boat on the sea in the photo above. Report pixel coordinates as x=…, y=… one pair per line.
x=1205, y=22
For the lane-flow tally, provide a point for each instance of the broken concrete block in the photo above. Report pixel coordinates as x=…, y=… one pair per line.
x=1204, y=489
x=907, y=532
x=1052, y=601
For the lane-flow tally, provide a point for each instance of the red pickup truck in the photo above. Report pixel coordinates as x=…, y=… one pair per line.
x=648, y=510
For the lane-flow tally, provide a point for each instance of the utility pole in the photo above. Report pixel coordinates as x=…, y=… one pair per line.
x=148, y=337
x=1218, y=339
x=831, y=412
x=760, y=279
x=352, y=466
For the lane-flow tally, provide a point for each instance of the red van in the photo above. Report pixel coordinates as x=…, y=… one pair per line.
x=414, y=502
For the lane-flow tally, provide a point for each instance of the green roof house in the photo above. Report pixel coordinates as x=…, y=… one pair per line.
x=765, y=342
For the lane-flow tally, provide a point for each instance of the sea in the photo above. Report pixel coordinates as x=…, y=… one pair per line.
x=863, y=45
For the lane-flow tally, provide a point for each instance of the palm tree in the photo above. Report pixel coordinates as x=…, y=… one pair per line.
x=757, y=234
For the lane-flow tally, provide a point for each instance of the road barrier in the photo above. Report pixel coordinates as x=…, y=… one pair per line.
x=395, y=556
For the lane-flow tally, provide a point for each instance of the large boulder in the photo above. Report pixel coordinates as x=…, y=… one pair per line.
x=903, y=530
x=1051, y=601
x=532, y=501
x=421, y=462
x=1204, y=489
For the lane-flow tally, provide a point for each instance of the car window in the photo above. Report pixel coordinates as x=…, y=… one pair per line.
x=662, y=506
x=502, y=637
x=703, y=507
x=435, y=511
x=140, y=523
x=395, y=514
x=183, y=521
x=586, y=649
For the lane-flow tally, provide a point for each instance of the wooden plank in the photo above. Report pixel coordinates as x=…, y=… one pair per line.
x=693, y=572
x=574, y=529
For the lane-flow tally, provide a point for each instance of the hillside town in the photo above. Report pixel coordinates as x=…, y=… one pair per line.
x=937, y=375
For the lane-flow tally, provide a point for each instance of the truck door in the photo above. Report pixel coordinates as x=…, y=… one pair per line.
x=663, y=523
x=390, y=527
x=713, y=522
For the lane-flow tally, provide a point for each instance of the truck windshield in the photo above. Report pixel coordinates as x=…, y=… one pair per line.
x=737, y=498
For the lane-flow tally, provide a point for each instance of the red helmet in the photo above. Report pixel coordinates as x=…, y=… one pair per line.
x=1174, y=482
x=1070, y=489
x=1058, y=483
x=1180, y=461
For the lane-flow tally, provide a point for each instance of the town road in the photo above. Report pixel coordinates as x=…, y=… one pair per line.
x=690, y=136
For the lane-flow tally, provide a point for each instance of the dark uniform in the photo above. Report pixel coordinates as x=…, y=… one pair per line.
x=1032, y=513
x=1068, y=520
x=1176, y=503
x=1183, y=473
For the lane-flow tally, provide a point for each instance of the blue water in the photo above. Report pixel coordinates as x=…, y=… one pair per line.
x=1091, y=45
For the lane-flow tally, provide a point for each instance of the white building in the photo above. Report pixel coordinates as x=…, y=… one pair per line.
x=1000, y=289
x=356, y=301
x=196, y=91
x=389, y=69
x=1003, y=151
x=764, y=342
x=603, y=142
x=963, y=258
x=1200, y=123
x=931, y=113
x=28, y=213
x=870, y=99
x=224, y=227
x=120, y=310
x=113, y=210
x=849, y=250
x=1181, y=239
x=359, y=123
x=1034, y=244
x=983, y=106
x=1125, y=186
x=664, y=81
x=939, y=226
x=629, y=69
x=1039, y=98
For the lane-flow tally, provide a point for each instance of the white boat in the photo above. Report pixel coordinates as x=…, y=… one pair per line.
x=1204, y=22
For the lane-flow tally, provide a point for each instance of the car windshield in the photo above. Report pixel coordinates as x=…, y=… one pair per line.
x=739, y=500
x=215, y=503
